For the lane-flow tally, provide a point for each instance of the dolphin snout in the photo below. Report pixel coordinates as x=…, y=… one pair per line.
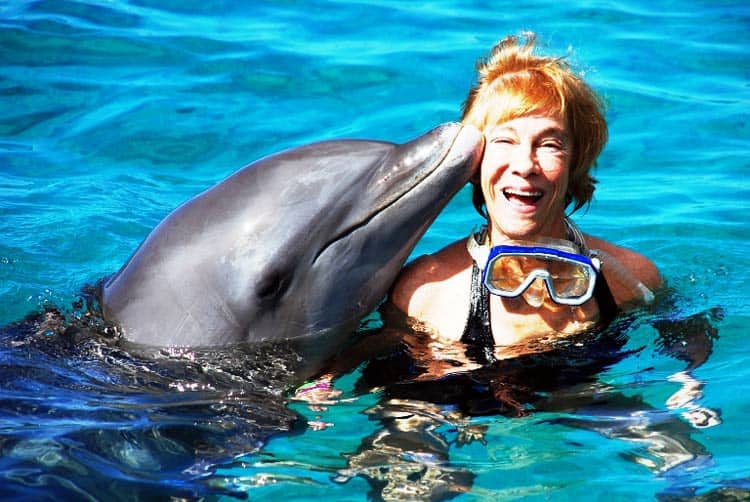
x=467, y=146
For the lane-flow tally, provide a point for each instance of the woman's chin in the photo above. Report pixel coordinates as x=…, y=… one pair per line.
x=527, y=228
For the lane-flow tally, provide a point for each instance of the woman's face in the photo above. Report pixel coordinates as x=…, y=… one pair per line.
x=524, y=177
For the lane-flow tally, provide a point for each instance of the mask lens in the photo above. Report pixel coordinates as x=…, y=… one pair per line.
x=511, y=273
x=571, y=280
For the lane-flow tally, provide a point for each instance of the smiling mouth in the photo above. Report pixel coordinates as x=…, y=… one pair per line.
x=525, y=197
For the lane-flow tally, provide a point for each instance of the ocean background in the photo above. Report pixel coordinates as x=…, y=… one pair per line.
x=114, y=112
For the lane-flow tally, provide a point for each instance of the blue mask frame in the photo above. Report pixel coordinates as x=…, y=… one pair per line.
x=587, y=266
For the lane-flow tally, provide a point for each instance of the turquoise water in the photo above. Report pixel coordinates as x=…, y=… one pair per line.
x=114, y=112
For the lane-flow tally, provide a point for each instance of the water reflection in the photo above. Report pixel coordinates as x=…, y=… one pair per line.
x=84, y=417
x=433, y=390
x=407, y=458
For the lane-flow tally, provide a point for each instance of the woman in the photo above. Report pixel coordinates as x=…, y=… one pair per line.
x=487, y=314
x=530, y=276
x=544, y=129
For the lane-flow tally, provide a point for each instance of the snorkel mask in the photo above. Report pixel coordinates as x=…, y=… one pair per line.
x=515, y=268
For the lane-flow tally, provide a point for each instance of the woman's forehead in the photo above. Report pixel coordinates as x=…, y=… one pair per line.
x=501, y=109
x=537, y=121
x=535, y=124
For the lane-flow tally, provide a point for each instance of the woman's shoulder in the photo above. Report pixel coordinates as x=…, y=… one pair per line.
x=637, y=264
x=431, y=289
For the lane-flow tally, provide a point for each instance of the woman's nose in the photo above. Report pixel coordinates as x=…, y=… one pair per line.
x=523, y=160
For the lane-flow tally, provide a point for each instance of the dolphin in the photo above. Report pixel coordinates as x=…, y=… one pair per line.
x=302, y=242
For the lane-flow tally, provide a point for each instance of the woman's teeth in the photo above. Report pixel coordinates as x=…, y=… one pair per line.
x=524, y=196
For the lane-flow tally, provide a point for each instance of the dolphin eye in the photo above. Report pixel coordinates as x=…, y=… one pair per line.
x=272, y=285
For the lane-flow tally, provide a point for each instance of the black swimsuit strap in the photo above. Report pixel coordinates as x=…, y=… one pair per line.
x=608, y=309
x=477, y=334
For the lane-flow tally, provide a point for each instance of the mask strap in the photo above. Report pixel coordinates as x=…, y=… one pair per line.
x=574, y=235
x=480, y=253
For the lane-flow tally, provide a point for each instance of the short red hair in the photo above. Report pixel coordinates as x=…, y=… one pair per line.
x=513, y=82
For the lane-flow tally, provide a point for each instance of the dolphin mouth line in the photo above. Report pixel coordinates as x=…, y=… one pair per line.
x=364, y=221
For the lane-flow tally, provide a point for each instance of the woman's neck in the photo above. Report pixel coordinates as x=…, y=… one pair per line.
x=555, y=230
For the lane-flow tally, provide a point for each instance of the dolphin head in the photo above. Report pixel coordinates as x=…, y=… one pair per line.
x=338, y=265
x=303, y=242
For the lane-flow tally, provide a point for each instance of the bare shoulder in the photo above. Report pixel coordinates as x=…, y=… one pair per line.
x=431, y=289
x=639, y=265
x=412, y=279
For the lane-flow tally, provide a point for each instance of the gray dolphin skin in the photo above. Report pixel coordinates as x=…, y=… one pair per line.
x=299, y=243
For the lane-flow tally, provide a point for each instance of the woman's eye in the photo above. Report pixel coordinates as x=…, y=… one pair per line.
x=503, y=140
x=552, y=146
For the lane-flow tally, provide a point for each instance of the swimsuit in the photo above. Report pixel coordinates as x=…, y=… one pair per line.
x=509, y=386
